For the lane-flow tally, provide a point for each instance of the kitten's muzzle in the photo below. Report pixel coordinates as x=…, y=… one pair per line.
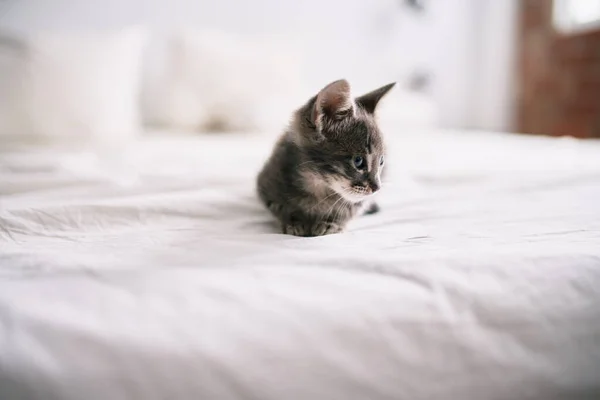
x=367, y=188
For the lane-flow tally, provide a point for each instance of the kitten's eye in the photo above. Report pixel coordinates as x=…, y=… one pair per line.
x=359, y=162
x=381, y=160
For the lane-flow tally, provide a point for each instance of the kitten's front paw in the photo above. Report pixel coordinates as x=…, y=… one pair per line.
x=326, y=228
x=296, y=230
x=317, y=229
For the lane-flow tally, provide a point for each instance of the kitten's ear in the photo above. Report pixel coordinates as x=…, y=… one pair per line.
x=333, y=101
x=369, y=101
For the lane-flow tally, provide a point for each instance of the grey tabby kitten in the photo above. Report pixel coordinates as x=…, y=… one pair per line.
x=327, y=165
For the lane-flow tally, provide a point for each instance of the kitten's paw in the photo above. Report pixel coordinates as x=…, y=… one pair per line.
x=296, y=230
x=372, y=209
x=317, y=229
x=326, y=228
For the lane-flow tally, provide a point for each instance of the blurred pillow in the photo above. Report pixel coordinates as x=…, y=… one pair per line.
x=76, y=87
x=219, y=82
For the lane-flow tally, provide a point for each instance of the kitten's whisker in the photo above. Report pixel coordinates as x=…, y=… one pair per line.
x=332, y=207
x=344, y=203
x=322, y=200
x=340, y=200
x=340, y=208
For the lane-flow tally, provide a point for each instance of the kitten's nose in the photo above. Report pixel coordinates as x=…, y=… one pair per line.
x=374, y=186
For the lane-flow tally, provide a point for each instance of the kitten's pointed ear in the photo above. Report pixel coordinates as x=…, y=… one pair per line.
x=333, y=101
x=370, y=100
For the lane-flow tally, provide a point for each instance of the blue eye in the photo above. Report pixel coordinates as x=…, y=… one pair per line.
x=381, y=160
x=359, y=162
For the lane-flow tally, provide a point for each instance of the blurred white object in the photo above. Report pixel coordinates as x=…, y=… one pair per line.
x=71, y=86
x=572, y=16
x=404, y=110
x=220, y=82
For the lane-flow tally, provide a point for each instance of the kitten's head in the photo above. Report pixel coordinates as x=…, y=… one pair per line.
x=340, y=138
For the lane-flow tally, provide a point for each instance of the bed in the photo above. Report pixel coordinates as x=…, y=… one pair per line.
x=156, y=274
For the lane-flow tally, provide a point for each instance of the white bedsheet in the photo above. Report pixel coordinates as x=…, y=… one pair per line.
x=158, y=275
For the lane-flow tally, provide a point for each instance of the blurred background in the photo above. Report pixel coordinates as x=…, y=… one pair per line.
x=529, y=66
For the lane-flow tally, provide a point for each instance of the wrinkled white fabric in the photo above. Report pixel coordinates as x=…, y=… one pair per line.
x=158, y=275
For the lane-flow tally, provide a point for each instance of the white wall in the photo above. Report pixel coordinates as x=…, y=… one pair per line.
x=370, y=42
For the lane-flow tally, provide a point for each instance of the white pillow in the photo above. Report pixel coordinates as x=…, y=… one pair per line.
x=75, y=87
x=220, y=82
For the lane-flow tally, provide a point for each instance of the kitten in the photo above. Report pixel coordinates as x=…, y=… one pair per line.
x=327, y=165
